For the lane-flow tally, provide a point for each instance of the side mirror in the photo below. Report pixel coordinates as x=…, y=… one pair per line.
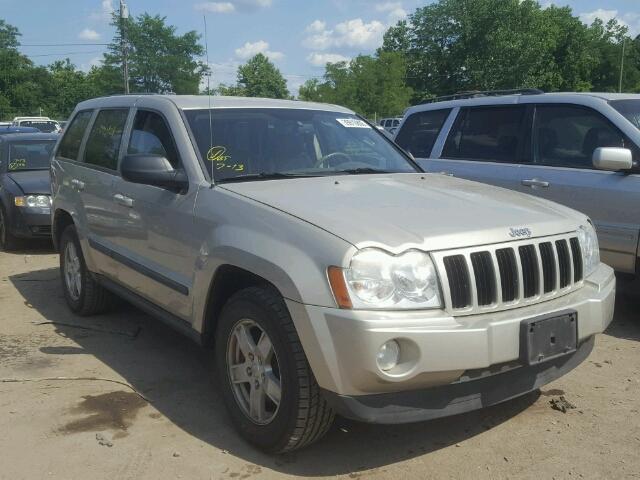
x=153, y=170
x=613, y=159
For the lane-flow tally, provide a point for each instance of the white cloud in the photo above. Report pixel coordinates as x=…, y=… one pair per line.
x=352, y=34
x=321, y=59
x=316, y=26
x=94, y=62
x=601, y=13
x=89, y=34
x=356, y=33
x=105, y=12
x=216, y=7
x=231, y=6
x=318, y=39
x=630, y=19
x=250, y=49
x=394, y=10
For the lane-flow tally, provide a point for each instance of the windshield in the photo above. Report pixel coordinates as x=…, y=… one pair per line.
x=279, y=143
x=630, y=109
x=43, y=125
x=30, y=155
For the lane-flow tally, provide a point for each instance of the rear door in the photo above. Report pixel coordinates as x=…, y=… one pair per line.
x=94, y=179
x=487, y=144
x=564, y=138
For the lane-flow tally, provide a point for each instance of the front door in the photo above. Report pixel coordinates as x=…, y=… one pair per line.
x=157, y=239
x=564, y=138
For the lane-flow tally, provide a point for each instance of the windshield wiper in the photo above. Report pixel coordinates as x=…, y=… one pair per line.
x=250, y=177
x=361, y=171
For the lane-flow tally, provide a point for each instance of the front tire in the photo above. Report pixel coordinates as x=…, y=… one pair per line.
x=8, y=242
x=84, y=295
x=267, y=384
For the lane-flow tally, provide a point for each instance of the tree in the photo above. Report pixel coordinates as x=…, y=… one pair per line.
x=160, y=61
x=67, y=87
x=462, y=45
x=8, y=36
x=259, y=77
x=21, y=81
x=370, y=85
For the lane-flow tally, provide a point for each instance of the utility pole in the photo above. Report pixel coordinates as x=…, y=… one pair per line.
x=124, y=16
x=621, y=65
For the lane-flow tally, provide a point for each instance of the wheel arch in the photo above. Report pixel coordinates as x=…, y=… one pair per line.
x=61, y=220
x=227, y=280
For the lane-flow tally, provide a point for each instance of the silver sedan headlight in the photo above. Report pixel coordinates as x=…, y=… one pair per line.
x=376, y=279
x=590, y=248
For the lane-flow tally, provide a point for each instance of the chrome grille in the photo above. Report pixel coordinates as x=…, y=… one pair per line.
x=504, y=276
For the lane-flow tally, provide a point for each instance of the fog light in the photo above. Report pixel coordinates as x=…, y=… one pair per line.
x=388, y=355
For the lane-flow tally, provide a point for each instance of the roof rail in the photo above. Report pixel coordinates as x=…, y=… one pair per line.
x=486, y=93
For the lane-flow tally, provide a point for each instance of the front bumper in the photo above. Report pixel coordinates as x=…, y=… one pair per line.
x=462, y=396
x=341, y=345
x=31, y=222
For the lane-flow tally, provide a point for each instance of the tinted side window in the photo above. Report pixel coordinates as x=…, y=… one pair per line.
x=487, y=133
x=566, y=136
x=103, y=143
x=420, y=132
x=70, y=144
x=151, y=136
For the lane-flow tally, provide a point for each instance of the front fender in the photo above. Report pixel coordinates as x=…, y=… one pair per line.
x=290, y=253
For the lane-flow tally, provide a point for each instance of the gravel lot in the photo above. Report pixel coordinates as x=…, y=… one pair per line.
x=90, y=428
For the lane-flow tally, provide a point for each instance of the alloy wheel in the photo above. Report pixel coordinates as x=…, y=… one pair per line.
x=72, y=271
x=254, y=373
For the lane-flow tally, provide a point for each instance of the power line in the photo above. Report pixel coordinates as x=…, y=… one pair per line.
x=63, y=54
x=63, y=44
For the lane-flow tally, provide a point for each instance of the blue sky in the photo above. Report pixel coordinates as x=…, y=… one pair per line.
x=300, y=36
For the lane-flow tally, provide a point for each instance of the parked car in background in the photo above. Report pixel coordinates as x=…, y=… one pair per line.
x=43, y=124
x=578, y=149
x=390, y=124
x=4, y=124
x=10, y=129
x=25, y=187
x=331, y=274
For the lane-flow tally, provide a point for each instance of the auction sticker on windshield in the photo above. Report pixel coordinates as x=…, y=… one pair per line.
x=352, y=123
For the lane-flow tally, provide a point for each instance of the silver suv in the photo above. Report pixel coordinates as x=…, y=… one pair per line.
x=578, y=149
x=329, y=273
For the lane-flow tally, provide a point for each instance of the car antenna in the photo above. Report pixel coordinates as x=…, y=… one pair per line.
x=206, y=49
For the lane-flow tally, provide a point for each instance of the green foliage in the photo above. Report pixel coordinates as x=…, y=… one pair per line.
x=259, y=77
x=160, y=61
x=8, y=36
x=370, y=85
x=463, y=45
x=444, y=47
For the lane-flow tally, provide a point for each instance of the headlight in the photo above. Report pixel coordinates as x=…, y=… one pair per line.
x=590, y=249
x=39, y=201
x=378, y=280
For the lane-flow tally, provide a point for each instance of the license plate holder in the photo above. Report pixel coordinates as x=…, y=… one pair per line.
x=548, y=337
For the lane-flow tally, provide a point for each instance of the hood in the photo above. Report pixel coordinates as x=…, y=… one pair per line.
x=400, y=211
x=32, y=181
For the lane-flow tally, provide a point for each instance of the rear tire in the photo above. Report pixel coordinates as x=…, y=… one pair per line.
x=8, y=241
x=84, y=295
x=301, y=416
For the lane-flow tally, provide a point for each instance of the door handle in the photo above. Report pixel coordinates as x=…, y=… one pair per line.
x=534, y=182
x=448, y=174
x=123, y=200
x=79, y=185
